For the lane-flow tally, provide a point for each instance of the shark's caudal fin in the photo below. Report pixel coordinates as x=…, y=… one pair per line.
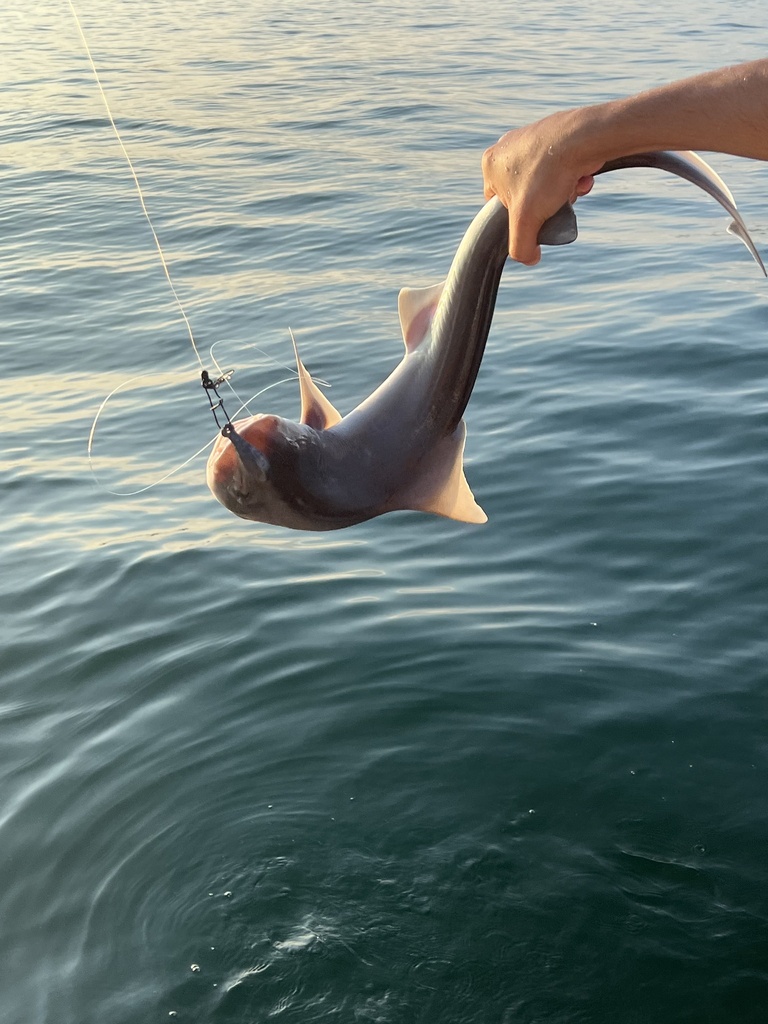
x=316, y=410
x=441, y=486
x=416, y=307
x=737, y=226
x=693, y=168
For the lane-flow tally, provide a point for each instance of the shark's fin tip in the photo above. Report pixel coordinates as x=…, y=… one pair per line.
x=441, y=487
x=316, y=410
x=739, y=231
x=416, y=307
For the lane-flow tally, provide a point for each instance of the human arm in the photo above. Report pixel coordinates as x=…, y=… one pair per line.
x=535, y=169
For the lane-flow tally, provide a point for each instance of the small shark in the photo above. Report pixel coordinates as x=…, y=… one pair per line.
x=402, y=448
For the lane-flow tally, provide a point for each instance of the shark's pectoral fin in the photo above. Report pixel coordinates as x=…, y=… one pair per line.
x=316, y=410
x=441, y=486
x=416, y=307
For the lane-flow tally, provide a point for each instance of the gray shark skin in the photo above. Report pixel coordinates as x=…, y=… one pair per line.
x=402, y=448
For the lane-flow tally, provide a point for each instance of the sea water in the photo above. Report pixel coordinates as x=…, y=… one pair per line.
x=414, y=771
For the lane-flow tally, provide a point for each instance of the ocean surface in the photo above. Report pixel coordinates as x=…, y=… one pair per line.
x=413, y=771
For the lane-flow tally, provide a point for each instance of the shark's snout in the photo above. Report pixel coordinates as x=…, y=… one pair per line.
x=246, y=470
x=238, y=465
x=253, y=460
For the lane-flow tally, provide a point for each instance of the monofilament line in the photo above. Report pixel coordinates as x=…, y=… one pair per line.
x=137, y=184
x=181, y=465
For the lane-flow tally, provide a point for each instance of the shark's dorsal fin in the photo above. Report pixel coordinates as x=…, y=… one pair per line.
x=416, y=307
x=316, y=410
x=441, y=486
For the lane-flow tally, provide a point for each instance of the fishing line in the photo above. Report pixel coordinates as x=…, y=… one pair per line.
x=176, y=469
x=142, y=376
x=223, y=375
x=271, y=358
x=138, y=186
x=140, y=193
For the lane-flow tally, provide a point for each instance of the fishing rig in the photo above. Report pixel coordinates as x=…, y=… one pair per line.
x=210, y=384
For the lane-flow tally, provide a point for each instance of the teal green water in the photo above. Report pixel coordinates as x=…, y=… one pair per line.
x=412, y=771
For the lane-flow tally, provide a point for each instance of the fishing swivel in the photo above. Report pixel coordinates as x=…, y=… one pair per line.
x=209, y=386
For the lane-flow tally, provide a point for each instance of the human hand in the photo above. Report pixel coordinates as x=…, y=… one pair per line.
x=534, y=170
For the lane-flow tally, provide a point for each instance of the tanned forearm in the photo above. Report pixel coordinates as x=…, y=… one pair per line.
x=535, y=169
x=724, y=111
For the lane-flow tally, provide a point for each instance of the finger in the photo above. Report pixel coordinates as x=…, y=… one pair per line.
x=487, y=167
x=583, y=188
x=523, y=247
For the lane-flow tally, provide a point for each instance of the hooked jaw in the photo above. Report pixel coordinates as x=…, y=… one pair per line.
x=237, y=470
x=251, y=458
x=241, y=477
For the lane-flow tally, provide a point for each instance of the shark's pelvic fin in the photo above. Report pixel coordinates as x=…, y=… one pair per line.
x=441, y=486
x=416, y=307
x=316, y=410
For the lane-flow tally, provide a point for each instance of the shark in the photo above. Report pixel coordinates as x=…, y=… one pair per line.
x=402, y=448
